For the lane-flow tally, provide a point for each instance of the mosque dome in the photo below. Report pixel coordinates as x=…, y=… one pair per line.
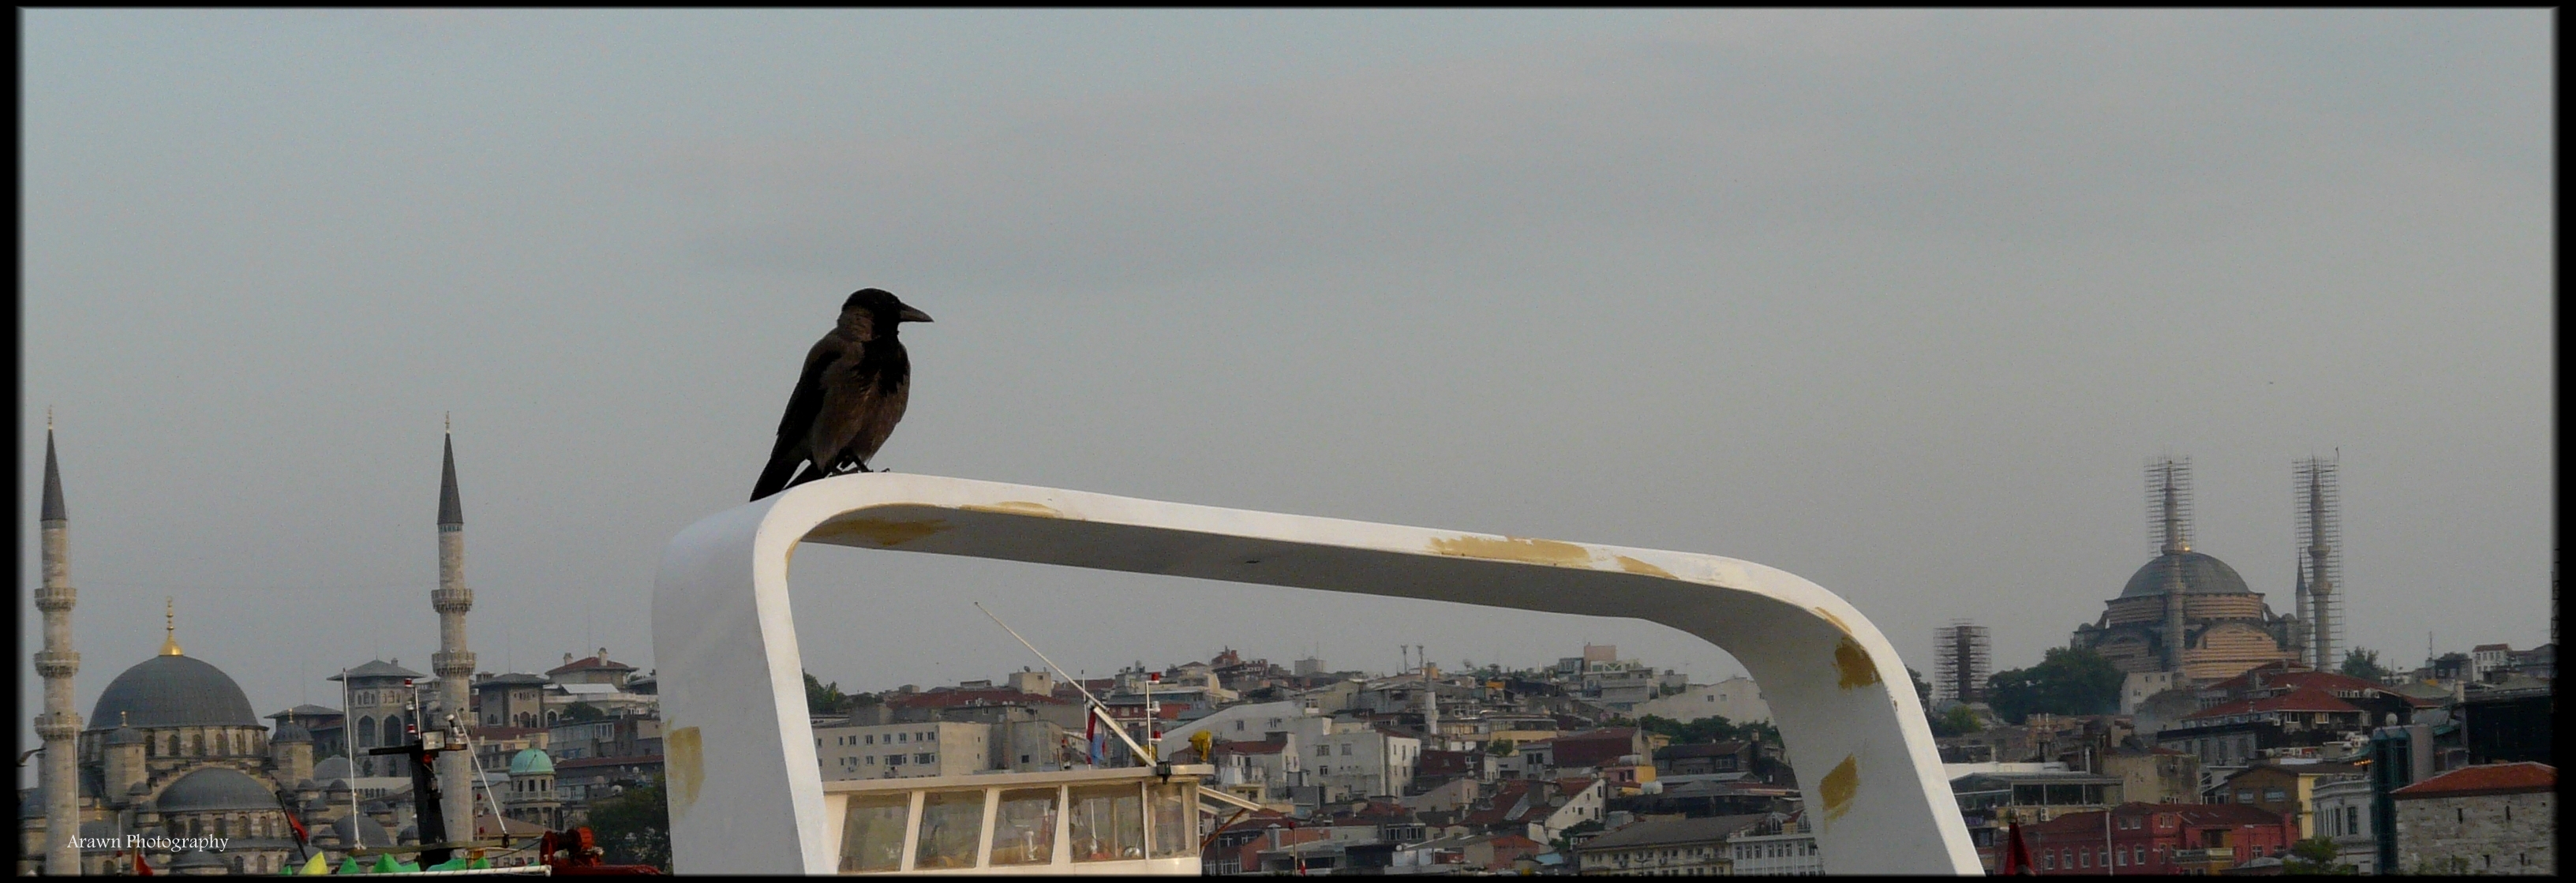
x=2201, y=575
x=531, y=762
x=125, y=736
x=174, y=691
x=214, y=788
x=373, y=834
x=334, y=767
x=287, y=731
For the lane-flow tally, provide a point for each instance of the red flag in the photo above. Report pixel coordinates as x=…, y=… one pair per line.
x=141, y=869
x=2016, y=857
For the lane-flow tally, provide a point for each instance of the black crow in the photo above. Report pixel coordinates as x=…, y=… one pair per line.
x=853, y=390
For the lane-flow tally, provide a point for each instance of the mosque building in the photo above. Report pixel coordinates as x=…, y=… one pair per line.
x=172, y=749
x=2185, y=615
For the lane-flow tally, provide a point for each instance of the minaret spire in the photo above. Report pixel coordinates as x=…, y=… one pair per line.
x=59, y=726
x=170, y=627
x=453, y=664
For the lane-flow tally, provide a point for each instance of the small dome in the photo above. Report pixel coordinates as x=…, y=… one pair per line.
x=140, y=787
x=174, y=691
x=531, y=762
x=287, y=731
x=373, y=834
x=334, y=767
x=215, y=788
x=409, y=834
x=100, y=828
x=2201, y=575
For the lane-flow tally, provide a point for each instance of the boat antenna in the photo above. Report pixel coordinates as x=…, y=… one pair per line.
x=1096, y=707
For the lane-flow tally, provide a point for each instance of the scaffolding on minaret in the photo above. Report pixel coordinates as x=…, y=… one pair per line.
x=2169, y=530
x=1960, y=653
x=2321, y=556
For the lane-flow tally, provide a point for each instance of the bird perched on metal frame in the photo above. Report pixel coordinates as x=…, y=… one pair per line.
x=848, y=398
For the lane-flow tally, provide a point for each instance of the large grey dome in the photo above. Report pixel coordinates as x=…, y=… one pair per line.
x=2201, y=575
x=215, y=788
x=368, y=832
x=173, y=691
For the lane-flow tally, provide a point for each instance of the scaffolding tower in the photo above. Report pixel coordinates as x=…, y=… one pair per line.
x=2321, y=557
x=2169, y=531
x=1959, y=662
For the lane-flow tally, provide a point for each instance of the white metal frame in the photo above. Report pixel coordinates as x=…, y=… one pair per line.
x=747, y=791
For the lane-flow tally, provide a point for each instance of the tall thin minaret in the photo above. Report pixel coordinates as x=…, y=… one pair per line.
x=2169, y=483
x=453, y=664
x=59, y=726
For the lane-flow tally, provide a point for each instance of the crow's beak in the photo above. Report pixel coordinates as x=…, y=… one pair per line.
x=911, y=315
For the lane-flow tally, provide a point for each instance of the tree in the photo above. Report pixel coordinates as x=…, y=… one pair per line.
x=821, y=698
x=2069, y=681
x=1959, y=722
x=583, y=711
x=2315, y=855
x=2364, y=664
x=1713, y=728
x=1922, y=691
x=635, y=827
x=1502, y=748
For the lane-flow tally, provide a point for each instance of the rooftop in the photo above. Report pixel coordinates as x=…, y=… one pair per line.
x=2496, y=778
x=1659, y=832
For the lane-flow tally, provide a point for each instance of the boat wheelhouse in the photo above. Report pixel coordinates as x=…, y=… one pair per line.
x=1133, y=820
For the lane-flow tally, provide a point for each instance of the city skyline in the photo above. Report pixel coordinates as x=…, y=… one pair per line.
x=1898, y=302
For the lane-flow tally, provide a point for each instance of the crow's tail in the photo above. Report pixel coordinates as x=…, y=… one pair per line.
x=774, y=478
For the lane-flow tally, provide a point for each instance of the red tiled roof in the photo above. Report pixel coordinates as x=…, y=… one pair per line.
x=1273, y=746
x=589, y=662
x=2494, y=778
x=2485, y=647
x=2302, y=699
x=2276, y=676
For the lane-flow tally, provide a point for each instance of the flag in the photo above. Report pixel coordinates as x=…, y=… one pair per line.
x=2016, y=857
x=141, y=869
x=1098, y=744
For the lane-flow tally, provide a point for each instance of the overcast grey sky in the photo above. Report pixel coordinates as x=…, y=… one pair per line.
x=1900, y=302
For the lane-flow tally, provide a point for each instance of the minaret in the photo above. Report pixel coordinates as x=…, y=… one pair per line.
x=2171, y=479
x=453, y=664
x=2299, y=621
x=2319, y=533
x=59, y=726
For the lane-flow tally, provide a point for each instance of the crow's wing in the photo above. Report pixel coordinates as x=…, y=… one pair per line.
x=803, y=406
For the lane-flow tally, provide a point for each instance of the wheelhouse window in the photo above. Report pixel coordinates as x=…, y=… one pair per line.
x=872, y=833
x=1024, y=827
x=1173, y=831
x=1108, y=823
x=950, y=823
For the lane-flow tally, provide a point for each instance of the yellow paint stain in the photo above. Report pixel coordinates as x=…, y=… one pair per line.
x=1840, y=786
x=685, y=755
x=881, y=531
x=1836, y=620
x=1524, y=549
x=1633, y=565
x=1854, y=662
x=1017, y=507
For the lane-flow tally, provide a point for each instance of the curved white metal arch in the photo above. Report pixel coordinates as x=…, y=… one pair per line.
x=746, y=791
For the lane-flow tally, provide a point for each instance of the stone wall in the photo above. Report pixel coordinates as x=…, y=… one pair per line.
x=2482, y=834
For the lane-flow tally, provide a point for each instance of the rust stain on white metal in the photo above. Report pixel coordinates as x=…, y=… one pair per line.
x=687, y=761
x=1633, y=565
x=1854, y=662
x=1839, y=786
x=884, y=532
x=1836, y=620
x=1523, y=549
x=1016, y=507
